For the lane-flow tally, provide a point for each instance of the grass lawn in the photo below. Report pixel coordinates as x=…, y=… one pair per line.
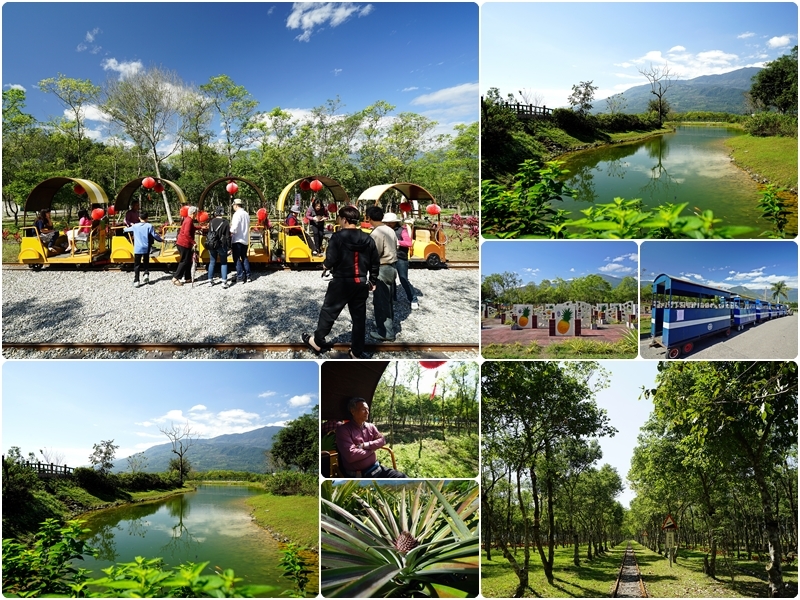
x=588, y=349
x=451, y=457
x=634, y=136
x=296, y=517
x=593, y=579
x=685, y=578
x=644, y=324
x=772, y=157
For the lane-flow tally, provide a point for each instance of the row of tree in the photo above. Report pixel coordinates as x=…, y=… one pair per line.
x=508, y=288
x=719, y=454
x=160, y=125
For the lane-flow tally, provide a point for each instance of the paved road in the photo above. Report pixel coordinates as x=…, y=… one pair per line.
x=775, y=339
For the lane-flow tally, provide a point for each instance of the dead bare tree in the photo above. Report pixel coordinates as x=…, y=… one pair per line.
x=530, y=96
x=182, y=438
x=661, y=79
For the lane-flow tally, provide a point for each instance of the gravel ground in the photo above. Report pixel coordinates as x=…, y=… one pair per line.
x=629, y=578
x=277, y=306
x=775, y=339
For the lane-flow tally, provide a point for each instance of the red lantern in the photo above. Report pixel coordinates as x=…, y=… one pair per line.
x=98, y=214
x=316, y=185
x=203, y=216
x=433, y=209
x=332, y=208
x=79, y=190
x=232, y=188
x=184, y=211
x=406, y=207
x=304, y=185
x=149, y=183
x=158, y=187
x=261, y=213
x=432, y=364
x=111, y=211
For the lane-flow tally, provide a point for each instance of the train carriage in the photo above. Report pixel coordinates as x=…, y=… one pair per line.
x=684, y=312
x=763, y=311
x=428, y=242
x=744, y=312
x=295, y=243
x=122, y=243
x=88, y=247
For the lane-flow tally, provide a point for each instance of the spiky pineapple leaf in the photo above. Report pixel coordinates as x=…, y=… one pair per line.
x=367, y=585
x=332, y=578
x=459, y=527
x=445, y=591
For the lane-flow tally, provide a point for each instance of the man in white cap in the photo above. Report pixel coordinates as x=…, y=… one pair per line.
x=240, y=232
x=382, y=299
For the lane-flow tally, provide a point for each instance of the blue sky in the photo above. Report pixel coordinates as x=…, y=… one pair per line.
x=70, y=405
x=627, y=413
x=723, y=264
x=549, y=47
x=421, y=57
x=537, y=260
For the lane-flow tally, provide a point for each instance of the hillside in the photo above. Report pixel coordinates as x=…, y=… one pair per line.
x=234, y=452
x=715, y=93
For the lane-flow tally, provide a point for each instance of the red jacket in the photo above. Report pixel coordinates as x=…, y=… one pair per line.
x=186, y=233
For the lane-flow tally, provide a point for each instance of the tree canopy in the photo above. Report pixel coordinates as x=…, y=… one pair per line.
x=297, y=444
x=775, y=86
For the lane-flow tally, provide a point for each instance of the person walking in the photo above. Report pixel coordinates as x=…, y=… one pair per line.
x=353, y=260
x=240, y=232
x=404, y=243
x=143, y=235
x=218, y=242
x=383, y=299
x=185, y=244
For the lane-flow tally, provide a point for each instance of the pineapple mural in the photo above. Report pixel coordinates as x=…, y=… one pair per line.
x=566, y=325
x=525, y=318
x=524, y=314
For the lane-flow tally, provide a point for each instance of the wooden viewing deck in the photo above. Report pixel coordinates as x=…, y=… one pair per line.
x=528, y=111
x=45, y=470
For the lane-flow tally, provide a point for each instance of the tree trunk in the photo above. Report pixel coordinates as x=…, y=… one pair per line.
x=576, y=559
x=773, y=538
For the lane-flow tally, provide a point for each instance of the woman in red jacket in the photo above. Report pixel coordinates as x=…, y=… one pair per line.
x=185, y=243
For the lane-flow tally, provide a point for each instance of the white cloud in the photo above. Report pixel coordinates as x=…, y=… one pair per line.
x=90, y=35
x=625, y=257
x=336, y=72
x=90, y=112
x=615, y=268
x=677, y=49
x=780, y=41
x=301, y=400
x=15, y=86
x=267, y=394
x=745, y=35
x=409, y=89
x=460, y=94
x=277, y=424
x=125, y=69
x=197, y=407
x=313, y=16
x=572, y=270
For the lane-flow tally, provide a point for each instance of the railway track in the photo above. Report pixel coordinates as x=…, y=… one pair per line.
x=242, y=350
x=629, y=582
x=468, y=264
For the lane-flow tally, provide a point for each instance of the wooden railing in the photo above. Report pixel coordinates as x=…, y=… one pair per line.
x=45, y=470
x=529, y=111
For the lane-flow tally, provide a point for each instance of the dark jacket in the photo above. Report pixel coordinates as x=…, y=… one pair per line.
x=352, y=255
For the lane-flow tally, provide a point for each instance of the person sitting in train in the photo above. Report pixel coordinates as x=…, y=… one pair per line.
x=316, y=215
x=357, y=441
x=132, y=216
x=85, y=226
x=295, y=225
x=45, y=230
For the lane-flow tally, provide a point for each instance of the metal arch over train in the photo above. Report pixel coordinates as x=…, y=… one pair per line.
x=684, y=312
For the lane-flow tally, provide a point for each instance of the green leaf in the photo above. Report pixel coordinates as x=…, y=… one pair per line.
x=369, y=584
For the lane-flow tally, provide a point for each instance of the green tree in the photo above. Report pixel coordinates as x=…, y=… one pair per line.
x=776, y=84
x=660, y=79
x=779, y=290
x=616, y=104
x=582, y=96
x=297, y=444
x=102, y=456
x=23, y=147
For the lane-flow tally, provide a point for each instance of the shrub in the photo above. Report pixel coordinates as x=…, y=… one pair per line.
x=575, y=123
x=141, y=482
x=771, y=124
x=292, y=483
x=621, y=122
x=94, y=481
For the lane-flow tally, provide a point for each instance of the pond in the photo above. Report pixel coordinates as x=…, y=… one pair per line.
x=690, y=165
x=212, y=524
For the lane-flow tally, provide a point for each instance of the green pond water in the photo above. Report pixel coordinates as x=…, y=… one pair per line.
x=212, y=524
x=691, y=165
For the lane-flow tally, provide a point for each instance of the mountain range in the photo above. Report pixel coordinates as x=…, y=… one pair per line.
x=715, y=93
x=233, y=452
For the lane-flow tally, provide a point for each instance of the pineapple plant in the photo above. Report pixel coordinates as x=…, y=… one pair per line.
x=562, y=326
x=523, y=320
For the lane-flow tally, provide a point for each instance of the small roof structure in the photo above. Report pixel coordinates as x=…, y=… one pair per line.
x=210, y=186
x=41, y=197
x=123, y=200
x=333, y=186
x=411, y=191
x=342, y=380
x=666, y=284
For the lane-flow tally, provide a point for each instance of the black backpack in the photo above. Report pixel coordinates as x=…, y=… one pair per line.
x=214, y=237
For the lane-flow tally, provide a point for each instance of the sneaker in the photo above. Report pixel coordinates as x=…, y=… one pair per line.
x=211, y=283
x=414, y=305
x=176, y=282
x=146, y=278
x=377, y=336
x=136, y=284
x=226, y=285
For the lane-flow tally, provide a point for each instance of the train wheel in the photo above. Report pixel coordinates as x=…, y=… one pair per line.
x=688, y=347
x=673, y=353
x=36, y=266
x=433, y=261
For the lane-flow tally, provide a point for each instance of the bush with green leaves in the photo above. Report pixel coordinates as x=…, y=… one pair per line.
x=45, y=568
x=292, y=483
x=405, y=541
x=765, y=124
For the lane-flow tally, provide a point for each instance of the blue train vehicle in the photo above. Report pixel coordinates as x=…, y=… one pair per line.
x=744, y=312
x=684, y=312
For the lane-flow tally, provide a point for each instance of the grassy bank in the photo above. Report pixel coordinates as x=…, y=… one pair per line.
x=451, y=457
x=294, y=517
x=774, y=158
x=577, y=348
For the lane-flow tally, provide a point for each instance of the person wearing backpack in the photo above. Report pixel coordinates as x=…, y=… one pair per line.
x=218, y=244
